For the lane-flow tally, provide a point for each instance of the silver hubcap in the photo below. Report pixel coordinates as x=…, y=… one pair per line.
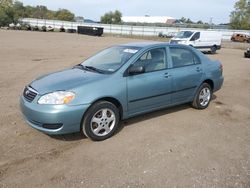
x=204, y=96
x=103, y=122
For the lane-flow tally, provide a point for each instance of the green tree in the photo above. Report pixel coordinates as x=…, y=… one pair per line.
x=189, y=21
x=200, y=22
x=19, y=11
x=51, y=15
x=186, y=20
x=6, y=12
x=40, y=12
x=107, y=18
x=29, y=11
x=117, y=17
x=5, y=3
x=183, y=20
x=11, y=11
x=112, y=17
x=240, y=17
x=63, y=14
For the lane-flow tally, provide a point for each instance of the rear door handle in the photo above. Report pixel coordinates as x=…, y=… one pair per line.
x=167, y=75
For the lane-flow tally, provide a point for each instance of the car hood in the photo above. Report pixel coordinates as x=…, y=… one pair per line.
x=65, y=80
x=179, y=39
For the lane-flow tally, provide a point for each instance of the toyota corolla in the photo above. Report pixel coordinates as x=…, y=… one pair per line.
x=118, y=83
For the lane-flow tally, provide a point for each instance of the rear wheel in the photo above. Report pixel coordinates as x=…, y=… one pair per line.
x=202, y=97
x=213, y=49
x=101, y=121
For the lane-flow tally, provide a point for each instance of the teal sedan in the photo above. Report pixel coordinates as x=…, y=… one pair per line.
x=118, y=83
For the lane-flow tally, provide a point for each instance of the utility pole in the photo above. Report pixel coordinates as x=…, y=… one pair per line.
x=211, y=22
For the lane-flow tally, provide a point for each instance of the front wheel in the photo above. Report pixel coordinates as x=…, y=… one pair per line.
x=202, y=97
x=101, y=121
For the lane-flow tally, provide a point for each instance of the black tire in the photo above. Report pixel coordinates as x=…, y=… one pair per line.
x=96, y=109
x=197, y=103
x=213, y=49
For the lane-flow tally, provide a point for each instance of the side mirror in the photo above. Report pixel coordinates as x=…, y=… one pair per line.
x=136, y=70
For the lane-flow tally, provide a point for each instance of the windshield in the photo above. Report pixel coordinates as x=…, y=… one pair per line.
x=110, y=59
x=184, y=34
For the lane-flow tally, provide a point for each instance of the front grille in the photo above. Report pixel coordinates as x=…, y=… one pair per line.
x=29, y=94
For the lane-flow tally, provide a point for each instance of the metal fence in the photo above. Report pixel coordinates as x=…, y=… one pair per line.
x=125, y=29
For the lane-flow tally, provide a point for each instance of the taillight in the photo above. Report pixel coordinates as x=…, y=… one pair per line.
x=221, y=68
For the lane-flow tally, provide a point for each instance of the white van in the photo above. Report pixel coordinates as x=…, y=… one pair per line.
x=203, y=40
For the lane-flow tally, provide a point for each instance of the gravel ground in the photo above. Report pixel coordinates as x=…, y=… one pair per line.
x=176, y=147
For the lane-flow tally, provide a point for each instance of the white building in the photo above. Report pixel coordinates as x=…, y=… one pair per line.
x=148, y=19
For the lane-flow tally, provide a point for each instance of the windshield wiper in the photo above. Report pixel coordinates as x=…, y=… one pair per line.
x=89, y=68
x=79, y=66
x=94, y=69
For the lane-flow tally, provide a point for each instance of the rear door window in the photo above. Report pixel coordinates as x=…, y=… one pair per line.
x=182, y=57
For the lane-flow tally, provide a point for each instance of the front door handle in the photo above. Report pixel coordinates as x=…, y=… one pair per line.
x=198, y=69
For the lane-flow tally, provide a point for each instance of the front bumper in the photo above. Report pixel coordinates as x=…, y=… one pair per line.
x=53, y=119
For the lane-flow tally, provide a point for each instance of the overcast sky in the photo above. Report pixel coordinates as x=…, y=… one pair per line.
x=196, y=10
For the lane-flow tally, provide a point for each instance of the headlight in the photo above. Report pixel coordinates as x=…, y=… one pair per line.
x=58, y=97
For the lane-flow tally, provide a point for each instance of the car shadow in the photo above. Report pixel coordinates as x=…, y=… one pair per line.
x=69, y=137
x=130, y=121
x=158, y=113
x=208, y=53
x=151, y=115
x=214, y=97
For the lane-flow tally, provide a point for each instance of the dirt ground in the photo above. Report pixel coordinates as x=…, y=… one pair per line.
x=176, y=147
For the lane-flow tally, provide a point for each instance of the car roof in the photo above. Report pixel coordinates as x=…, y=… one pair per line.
x=144, y=44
